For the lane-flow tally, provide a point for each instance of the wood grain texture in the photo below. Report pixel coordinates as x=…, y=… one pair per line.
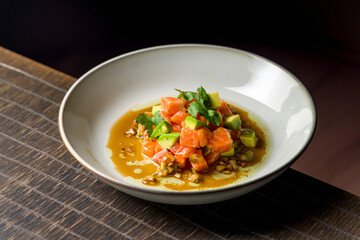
x=46, y=194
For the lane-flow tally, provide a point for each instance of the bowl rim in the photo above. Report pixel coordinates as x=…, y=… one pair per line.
x=191, y=192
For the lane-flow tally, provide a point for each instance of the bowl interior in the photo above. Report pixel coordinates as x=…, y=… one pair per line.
x=270, y=94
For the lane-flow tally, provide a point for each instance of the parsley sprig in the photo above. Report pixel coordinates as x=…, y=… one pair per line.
x=148, y=121
x=200, y=105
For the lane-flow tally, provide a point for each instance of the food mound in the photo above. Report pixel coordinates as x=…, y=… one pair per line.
x=195, y=133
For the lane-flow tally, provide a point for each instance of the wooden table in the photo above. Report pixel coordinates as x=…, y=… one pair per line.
x=46, y=194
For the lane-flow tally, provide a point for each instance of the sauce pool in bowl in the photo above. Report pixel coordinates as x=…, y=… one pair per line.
x=126, y=154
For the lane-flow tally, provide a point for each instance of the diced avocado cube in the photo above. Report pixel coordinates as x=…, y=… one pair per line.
x=249, y=155
x=248, y=131
x=168, y=140
x=214, y=100
x=232, y=122
x=248, y=138
x=229, y=153
x=155, y=109
x=194, y=123
x=163, y=128
x=206, y=151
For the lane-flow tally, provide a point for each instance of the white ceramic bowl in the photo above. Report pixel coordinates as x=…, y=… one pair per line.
x=271, y=95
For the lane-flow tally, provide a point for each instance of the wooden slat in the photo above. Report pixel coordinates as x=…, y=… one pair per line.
x=46, y=194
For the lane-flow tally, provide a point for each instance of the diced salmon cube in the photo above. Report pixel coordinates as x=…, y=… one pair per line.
x=212, y=157
x=159, y=157
x=179, y=117
x=148, y=148
x=224, y=109
x=198, y=162
x=158, y=147
x=181, y=160
x=165, y=116
x=204, y=136
x=171, y=105
x=195, y=138
x=181, y=150
x=221, y=140
x=189, y=137
x=177, y=128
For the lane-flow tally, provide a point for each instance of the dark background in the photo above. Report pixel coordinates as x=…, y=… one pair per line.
x=318, y=41
x=73, y=36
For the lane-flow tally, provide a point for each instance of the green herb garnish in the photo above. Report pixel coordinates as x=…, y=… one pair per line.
x=214, y=117
x=156, y=119
x=200, y=105
x=148, y=121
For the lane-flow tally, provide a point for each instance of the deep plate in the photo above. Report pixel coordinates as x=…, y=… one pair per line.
x=272, y=96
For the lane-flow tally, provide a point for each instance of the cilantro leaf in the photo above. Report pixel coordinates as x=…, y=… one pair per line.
x=211, y=115
x=214, y=117
x=188, y=96
x=200, y=96
x=146, y=121
x=157, y=119
x=181, y=94
x=203, y=98
x=195, y=108
x=201, y=105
